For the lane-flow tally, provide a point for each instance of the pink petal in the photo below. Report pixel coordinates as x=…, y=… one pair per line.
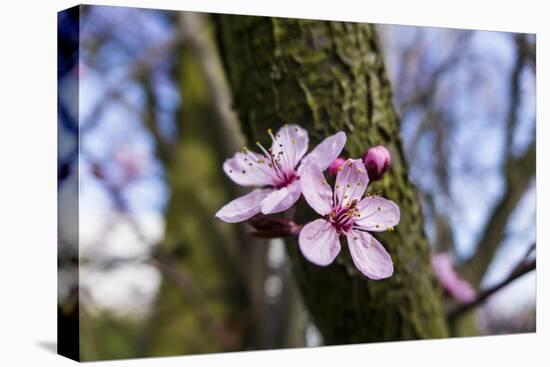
x=328, y=150
x=351, y=181
x=369, y=256
x=319, y=242
x=377, y=214
x=244, y=207
x=462, y=291
x=450, y=280
x=315, y=188
x=245, y=170
x=282, y=199
x=293, y=141
x=443, y=267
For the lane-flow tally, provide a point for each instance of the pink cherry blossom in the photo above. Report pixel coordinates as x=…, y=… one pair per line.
x=335, y=165
x=345, y=212
x=277, y=172
x=377, y=161
x=450, y=280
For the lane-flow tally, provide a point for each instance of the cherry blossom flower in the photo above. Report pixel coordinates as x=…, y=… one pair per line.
x=450, y=280
x=377, y=161
x=277, y=172
x=346, y=213
x=335, y=165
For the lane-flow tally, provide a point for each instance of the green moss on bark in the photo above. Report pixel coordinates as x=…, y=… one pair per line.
x=330, y=76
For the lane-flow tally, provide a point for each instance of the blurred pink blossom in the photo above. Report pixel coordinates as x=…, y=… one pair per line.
x=132, y=163
x=450, y=280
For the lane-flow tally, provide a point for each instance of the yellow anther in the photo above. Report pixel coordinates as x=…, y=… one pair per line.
x=350, y=164
x=391, y=229
x=340, y=169
x=269, y=131
x=293, y=141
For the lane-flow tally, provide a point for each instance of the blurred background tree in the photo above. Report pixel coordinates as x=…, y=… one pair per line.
x=159, y=275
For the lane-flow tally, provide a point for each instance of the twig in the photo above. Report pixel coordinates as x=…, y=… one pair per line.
x=523, y=268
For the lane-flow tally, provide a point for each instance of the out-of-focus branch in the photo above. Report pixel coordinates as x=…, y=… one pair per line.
x=149, y=119
x=519, y=174
x=528, y=49
x=515, y=92
x=424, y=94
x=140, y=68
x=194, y=30
x=524, y=267
x=161, y=260
x=436, y=122
x=184, y=281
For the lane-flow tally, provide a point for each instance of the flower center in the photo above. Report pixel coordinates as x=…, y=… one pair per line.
x=285, y=179
x=276, y=164
x=343, y=217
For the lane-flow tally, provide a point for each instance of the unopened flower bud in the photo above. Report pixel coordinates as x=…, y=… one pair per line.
x=335, y=165
x=377, y=161
x=269, y=226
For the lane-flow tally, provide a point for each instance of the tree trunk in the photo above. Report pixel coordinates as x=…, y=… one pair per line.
x=326, y=77
x=199, y=305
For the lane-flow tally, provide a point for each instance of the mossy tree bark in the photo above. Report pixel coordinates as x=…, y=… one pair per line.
x=330, y=76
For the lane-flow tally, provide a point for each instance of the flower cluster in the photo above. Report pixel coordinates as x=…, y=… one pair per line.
x=284, y=172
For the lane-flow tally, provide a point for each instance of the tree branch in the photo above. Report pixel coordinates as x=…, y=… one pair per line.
x=523, y=268
x=518, y=177
x=518, y=172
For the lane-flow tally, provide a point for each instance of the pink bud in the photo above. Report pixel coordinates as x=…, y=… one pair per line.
x=377, y=161
x=335, y=165
x=269, y=226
